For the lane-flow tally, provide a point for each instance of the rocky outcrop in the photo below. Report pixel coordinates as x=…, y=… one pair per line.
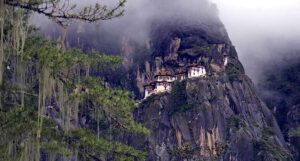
x=224, y=122
x=218, y=117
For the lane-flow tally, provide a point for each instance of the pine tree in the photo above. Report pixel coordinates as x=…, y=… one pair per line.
x=47, y=92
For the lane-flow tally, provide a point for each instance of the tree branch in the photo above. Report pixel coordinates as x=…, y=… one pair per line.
x=65, y=12
x=107, y=114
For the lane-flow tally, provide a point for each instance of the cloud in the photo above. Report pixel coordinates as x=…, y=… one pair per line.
x=263, y=31
x=142, y=15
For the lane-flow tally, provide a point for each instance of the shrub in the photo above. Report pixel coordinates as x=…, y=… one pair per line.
x=179, y=97
x=294, y=132
x=183, y=152
x=235, y=122
x=232, y=72
x=266, y=150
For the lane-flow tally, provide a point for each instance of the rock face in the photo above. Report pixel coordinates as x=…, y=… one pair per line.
x=218, y=117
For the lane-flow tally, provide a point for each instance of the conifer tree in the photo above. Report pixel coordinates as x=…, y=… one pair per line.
x=47, y=92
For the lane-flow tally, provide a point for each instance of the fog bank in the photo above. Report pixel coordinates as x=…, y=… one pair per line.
x=263, y=31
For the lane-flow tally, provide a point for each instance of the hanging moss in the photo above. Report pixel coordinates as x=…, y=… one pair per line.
x=52, y=77
x=1, y=47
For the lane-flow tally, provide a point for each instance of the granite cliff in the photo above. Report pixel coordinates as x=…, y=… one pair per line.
x=216, y=117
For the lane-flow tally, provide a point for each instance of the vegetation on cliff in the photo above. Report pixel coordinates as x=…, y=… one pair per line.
x=280, y=90
x=179, y=97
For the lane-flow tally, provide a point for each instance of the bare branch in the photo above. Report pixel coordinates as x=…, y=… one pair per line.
x=63, y=12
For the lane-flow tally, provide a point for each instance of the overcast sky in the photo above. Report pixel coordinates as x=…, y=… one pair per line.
x=261, y=30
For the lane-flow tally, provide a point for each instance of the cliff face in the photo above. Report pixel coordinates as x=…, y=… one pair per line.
x=216, y=117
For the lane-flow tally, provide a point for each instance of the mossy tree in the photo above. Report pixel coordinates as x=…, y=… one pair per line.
x=47, y=86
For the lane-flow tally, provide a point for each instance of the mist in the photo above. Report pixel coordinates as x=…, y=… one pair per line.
x=140, y=16
x=263, y=31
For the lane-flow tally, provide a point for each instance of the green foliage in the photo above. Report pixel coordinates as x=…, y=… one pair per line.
x=114, y=104
x=221, y=148
x=49, y=56
x=14, y=120
x=267, y=132
x=151, y=99
x=294, y=135
x=234, y=69
x=294, y=132
x=183, y=152
x=179, y=97
x=232, y=72
x=203, y=48
x=64, y=12
x=58, y=85
x=235, y=122
x=52, y=140
x=90, y=146
x=268, y=151
x=196, y=49
x=20, y=125
x=59, y=68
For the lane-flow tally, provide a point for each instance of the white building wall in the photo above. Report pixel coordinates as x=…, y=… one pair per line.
x=159, y=78
x=225, y=61
x=168, y=88
x=146, y=93
x=196, y=72
x=162, y=88
x=203, y=73
x=174, y=79
x=181, y=77
x=166, y=78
